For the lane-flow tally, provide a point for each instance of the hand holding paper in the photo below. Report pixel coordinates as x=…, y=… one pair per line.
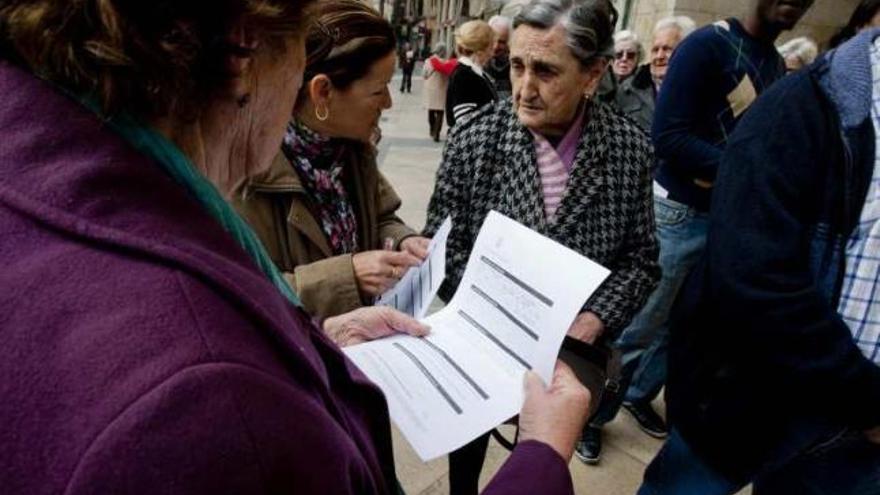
x=517, y=299
x=371, y=323
x=419, y=285
x=378, y=270
x=554, y=414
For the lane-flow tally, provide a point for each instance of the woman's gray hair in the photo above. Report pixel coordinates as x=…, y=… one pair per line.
x=588, y=24
x=630, y=38
x=683, y=23
x=439, y=50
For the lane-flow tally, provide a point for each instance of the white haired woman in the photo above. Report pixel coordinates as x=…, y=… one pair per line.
x=627, y=54
x=564, y=165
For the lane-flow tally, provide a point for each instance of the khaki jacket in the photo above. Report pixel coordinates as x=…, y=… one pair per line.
x=280, y=211
x=435, y=87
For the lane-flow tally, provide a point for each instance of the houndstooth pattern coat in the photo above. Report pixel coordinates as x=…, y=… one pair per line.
x=606, y=213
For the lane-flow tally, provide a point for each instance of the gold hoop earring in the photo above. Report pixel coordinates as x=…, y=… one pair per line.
x=324, y=117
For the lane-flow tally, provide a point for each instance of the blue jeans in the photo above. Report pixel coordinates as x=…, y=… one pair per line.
x=844, y=464
x=678, y=471
x=681, y=235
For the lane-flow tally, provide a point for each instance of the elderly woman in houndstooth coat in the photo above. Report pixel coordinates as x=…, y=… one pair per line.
x=559, y=162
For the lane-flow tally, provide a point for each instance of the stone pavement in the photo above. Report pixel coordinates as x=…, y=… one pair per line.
x=409, y=159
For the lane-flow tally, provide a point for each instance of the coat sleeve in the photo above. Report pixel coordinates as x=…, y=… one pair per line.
x=635, y=270
x=679, y=105
x=390, y=225
x=533, y=467
x=222, y=428
x=758, y=255
x=326, y=287
x=451, y=198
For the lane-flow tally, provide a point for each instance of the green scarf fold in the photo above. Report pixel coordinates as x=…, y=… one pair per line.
x=181, y=169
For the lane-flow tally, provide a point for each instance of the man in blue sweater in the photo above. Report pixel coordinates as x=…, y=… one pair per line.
x=774, y=370
x=714, y=76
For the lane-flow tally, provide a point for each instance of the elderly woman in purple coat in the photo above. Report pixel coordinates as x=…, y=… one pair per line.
x=149, y=345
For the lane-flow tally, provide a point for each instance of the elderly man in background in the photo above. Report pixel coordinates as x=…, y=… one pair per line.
x=637, y=96
x=627, y=54
x=498, y=66
x=560, y=162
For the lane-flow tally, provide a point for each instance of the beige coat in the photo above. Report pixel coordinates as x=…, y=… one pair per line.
x=435, y=87
x=279, y=209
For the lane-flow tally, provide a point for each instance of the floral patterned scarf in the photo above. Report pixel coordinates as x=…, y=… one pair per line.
x=317, y=161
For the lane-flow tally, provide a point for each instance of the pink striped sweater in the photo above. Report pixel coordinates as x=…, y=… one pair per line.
x=555, y=164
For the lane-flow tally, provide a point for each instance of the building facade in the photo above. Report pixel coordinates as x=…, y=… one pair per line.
x=820, y=23
x=439, y=18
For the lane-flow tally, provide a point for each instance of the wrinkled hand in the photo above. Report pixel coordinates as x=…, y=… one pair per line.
x=556, y=414
x=416, y=246
x=377, y=271
x=375, y=322
x=873, y=435
x=587, y=327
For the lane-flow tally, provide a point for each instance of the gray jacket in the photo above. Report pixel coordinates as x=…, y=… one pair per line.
x=636, y=98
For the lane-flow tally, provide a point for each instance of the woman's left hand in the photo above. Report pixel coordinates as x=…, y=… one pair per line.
x=416, y=246
x=371, y=323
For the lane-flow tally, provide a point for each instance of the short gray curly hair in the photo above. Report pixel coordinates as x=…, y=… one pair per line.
x=588, y=24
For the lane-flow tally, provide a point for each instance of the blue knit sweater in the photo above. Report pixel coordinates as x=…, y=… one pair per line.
x=713, y=77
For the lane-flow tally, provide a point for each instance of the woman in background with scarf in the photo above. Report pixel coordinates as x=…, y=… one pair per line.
x=324, y=211
x=436, y=73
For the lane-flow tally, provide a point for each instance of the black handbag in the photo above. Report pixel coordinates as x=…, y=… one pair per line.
x=598, y=369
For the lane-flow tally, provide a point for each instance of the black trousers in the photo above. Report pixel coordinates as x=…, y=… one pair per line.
x=465, y=465
x=406, y=83
x=435, y=122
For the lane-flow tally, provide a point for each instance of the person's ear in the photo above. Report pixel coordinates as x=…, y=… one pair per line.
x=320, y=91
x=593, y=75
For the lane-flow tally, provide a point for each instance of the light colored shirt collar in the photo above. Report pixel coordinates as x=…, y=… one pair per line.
x=473, y=65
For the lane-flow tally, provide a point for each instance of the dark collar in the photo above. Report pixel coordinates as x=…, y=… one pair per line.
x=642, y=79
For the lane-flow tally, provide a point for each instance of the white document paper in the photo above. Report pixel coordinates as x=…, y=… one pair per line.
x=415, y=291
x=519, y=295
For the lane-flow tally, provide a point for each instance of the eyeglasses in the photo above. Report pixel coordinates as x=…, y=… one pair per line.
x=626, y=55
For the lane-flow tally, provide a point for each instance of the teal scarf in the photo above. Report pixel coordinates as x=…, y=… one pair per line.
x=183, y=171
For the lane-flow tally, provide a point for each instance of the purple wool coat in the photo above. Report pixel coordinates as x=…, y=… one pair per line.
x=143, y=352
